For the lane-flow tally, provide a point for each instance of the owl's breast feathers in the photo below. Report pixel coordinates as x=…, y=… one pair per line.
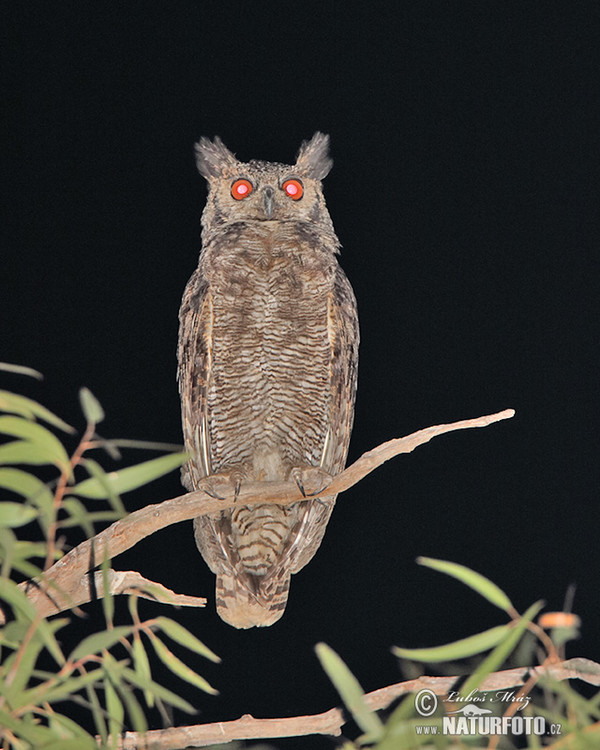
x=267, y=372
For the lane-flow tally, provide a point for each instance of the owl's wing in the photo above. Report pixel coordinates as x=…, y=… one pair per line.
x=195, y=362
x=343, y=334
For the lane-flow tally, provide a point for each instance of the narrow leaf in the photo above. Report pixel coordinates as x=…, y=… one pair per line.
x=90, y=406
x=350, y=691
x=49, y=693
x=150, y=445
x=12, y=594
x=461, y=649
x=78, y=515
x=159, y=692
x=30, y=487
x=27, y=663
x=142, y=668
x=498, y=656
x=134, y=710
x=26, y=452
x=99, y=641
x=26, y=407
x=21, y=370
x=116, y=712
x=131, y=477
x=79, y=743
x=48, y=444
x=70, y=732
x=470, y=578
x=14, y=515
x=178, y=633
x=96, y=471
x=180, y=669
x=35, y=734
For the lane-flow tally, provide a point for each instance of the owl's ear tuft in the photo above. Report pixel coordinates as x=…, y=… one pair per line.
x=313, y=159
x=213, y=157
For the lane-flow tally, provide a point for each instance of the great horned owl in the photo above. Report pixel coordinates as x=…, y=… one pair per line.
x=268, y=348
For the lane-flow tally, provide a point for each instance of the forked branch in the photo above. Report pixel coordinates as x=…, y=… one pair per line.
x=66, y=583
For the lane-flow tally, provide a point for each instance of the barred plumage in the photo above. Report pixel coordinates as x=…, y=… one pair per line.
x=267, y=369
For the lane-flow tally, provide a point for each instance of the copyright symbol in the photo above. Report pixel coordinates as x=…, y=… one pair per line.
x=425, y=702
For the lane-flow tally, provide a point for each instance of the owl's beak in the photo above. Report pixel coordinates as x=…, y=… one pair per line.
x=268, y=194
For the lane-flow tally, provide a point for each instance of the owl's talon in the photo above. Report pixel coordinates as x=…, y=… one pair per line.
x=300, y=486
x=220, y=486
x=212, y=494
x=309, y=477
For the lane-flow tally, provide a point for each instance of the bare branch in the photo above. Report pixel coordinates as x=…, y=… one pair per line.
x=131, y=582
x=59, y=584
x=331, y=722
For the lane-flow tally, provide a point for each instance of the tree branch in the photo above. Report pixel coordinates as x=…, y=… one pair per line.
x=331, y=722
x=57, y=589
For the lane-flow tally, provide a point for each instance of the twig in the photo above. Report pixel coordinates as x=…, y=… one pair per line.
x=331, y=722
x=67, y=573
x=131, y=582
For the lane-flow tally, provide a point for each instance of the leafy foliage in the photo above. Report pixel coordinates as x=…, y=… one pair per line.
x=571, y=720
x=81, y=494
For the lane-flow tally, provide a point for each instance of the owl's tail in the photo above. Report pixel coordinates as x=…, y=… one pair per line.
x=252, y=603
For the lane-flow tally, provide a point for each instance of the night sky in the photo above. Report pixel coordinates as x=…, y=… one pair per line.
x=464, y=192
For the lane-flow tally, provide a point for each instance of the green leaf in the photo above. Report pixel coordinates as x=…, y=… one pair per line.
x=90, y=406
x=179, y=634
x=49, y=693
x=498, y=656
x=150, y=445
x=49, y=446
x=350, y=691
x=28, y=659
x=461, y=649
x=28, y=569
x=131, y=477
x=70, y=732
x=12, y=594
x=26, y=407
x=142, y=668
x=98, y=516
x=78, y=516
x=134, y=710
x=474, y=580
x=79, y=743
x=25, y=452
x=180, y=669
x=159, y=692
x=30, y=487
x=25, y=550
x=95, y=470
x=100, y=641
x=16, y=514
x=26, y=729
x=21, y=370
x=97, y=712
x=116, y=712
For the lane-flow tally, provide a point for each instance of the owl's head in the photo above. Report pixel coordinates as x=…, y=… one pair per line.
x=264, y=190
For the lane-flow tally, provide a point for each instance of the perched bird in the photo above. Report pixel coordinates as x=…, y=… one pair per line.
x=268, y=352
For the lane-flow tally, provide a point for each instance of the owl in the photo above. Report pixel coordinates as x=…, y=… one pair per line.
x=268, y=353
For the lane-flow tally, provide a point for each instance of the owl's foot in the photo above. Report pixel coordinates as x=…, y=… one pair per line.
x=311, y=480
x=219, y=486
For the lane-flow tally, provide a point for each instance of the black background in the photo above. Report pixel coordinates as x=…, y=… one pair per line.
x=464, y=191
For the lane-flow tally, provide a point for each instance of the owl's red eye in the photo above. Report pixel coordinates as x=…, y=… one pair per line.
x=241, y=189
x=293, y=188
